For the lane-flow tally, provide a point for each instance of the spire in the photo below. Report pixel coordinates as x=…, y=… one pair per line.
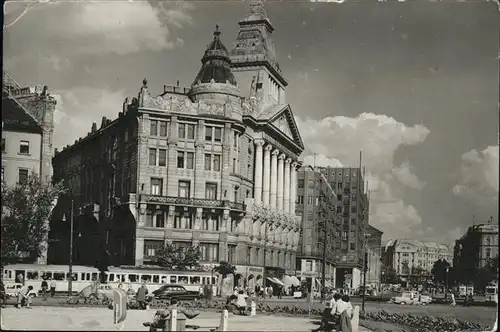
x=215, y=63
x=254, y=44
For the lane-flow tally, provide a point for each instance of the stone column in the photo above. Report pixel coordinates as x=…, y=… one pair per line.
x=286, y=194
x=258, y=172
x=274, y=178
x=172, y=175
x=139, y=251
x=266, y=175
x=226, y=163
x=199, y=159
x=281, y=169
x=293, y=187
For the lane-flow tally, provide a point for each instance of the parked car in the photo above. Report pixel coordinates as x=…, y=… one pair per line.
x=169, y=291
x=11, y=290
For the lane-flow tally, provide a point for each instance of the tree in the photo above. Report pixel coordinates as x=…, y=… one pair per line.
x=172, y=257
x=390, y=276
x=26, y=208
x=483, y=277
x=224, y=269
x=439, y=271
x=493, y=267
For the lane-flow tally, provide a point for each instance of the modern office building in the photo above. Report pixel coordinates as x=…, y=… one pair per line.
x=212, y=165
x=374, y=256
x=476, y=248
x=353, y=208
x=317, y=206
x=27, y=130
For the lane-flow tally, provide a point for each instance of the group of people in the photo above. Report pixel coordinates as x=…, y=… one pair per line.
x=338, y=313
x=45, y=288
x=161, y=317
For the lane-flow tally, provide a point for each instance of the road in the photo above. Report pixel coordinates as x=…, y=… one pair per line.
x=481, y=315
x=101, y=319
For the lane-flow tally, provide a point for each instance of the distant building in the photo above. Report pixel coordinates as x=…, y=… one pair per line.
x=476, y=248
x=212, y=165
x=353, y=207
x=27, y=131
x=411, y=257
x=316, y=204
x=374, y=246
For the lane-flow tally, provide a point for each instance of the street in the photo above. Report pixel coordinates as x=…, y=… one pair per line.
x=99, y=319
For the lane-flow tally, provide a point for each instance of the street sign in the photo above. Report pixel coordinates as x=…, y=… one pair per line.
x=307, y=274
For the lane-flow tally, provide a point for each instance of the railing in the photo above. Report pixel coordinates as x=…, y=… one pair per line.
x=195, y=202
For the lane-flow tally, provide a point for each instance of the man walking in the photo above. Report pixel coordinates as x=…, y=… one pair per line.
x=52, y=287
x=141, y=296
x=45, y=287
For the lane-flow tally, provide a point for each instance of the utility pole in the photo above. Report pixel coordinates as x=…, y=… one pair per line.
x=365, y=267
x=323, y=220
x=264, y=274
x=70, y=281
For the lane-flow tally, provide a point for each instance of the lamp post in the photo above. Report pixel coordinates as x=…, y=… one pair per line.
x=446, y=283
x=365, y=267
x=70, y=281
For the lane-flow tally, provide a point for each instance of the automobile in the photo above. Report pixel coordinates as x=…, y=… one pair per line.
x=169, y=291
x=11, y=290
x=405, y=298
x=423, y=299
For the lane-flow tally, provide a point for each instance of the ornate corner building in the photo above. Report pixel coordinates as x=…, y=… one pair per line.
x=213, y=165
x=27, y=131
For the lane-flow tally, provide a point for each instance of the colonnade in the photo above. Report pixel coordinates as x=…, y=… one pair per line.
x=275, y=178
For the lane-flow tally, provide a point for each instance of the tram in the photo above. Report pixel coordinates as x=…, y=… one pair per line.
x=129, y=276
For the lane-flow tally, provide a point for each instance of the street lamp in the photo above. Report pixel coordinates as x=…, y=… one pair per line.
x=446, y=283
x=71, y=218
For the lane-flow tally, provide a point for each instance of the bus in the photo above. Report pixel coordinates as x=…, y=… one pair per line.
x=491, y=293
x=129, y=276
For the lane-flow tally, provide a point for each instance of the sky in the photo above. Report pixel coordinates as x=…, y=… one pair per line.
x=413, y=85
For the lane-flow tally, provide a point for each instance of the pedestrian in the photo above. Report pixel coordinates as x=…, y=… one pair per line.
x=330, y=314
x=52, y=287
x=23, y=297
x=45, y=287
x=2, y=293
x=344, y=307
x=453, y=303
x=270, y=291
x=161, y=317
x=141, y=296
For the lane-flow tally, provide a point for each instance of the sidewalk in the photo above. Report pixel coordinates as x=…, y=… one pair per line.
x=99, y=319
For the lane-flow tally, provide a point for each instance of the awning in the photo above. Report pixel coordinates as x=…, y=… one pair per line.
x=279, y=282
x=328, y=284
x=295, y=280
x=275, y=281
x=287, y=280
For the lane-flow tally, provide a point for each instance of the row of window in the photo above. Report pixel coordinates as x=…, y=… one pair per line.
x=209, y=251
x=22, y=175
x=209, y=222
x=185, y=131
x=24, y=147
x=186, y=160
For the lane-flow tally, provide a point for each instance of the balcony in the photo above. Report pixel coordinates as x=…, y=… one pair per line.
x=193, y=202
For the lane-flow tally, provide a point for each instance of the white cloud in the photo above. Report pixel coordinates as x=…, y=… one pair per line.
x=338, y=140
x=477, y=179
x=405, y=174
x=78, y=108
x=63, y=30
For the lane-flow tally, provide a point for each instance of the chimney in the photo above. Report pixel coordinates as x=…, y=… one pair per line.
x=94, y=127
x=103, y=122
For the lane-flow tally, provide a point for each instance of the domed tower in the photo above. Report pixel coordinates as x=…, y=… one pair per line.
x=215, y=82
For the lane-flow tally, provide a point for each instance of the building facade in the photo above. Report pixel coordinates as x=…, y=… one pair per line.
x=353, y=207
x=476, y=248
x=213, y=165
x=374, y=256
x=411, y=257
x=27, y=131
x=316, y=205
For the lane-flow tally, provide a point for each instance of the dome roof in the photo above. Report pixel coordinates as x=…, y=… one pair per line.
x=215, y=63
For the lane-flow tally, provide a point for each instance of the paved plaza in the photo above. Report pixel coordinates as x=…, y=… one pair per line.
x=99, y=319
